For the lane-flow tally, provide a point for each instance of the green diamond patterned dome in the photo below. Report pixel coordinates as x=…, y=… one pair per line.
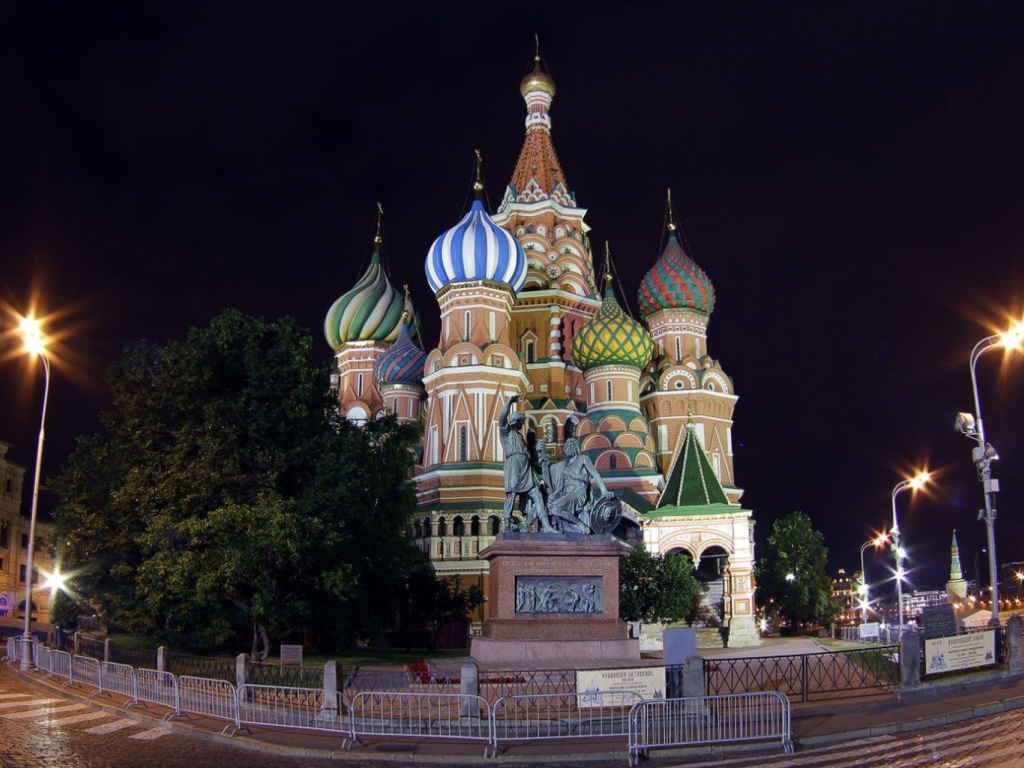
x=611, y=338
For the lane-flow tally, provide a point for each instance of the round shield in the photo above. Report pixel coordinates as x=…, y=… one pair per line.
x=605, y=515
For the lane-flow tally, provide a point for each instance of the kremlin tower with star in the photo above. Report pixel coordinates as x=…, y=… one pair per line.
x=522, y=313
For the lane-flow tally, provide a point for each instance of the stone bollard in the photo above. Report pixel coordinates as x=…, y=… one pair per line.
x=910, y=661
x=1014, y=657
x=693, y=677
x=240, y=661
x=470, y=686
x=329, y=707
x=74, y=646
x=106, y=649
x=161, y=659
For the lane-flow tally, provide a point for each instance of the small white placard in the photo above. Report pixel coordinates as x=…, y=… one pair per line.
x=594, y=686
x=291, y=654
x=869, y=630
x=946, y=654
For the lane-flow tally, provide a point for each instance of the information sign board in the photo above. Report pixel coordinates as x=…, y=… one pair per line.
x=939, y=620
x=648, y=682
x=291, y=654
x=947, y=654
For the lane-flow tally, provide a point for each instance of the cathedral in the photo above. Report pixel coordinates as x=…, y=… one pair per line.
x=523, y=312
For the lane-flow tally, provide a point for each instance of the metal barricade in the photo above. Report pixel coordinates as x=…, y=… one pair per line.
x=42, y=658
x=443, y=716
x=709, y=720
x=159, y=688
x=546, y=716
x=210, y=698
x=60, y=665
x=285, y=707
x=12, y=649
x=85, y=671
x=118, y=678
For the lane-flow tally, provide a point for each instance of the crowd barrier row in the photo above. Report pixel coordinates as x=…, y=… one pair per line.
x=646, y=724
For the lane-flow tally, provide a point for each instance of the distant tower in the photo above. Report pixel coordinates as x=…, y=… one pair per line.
x=676, y=297
x=559, y=293
x=612, y=350
x=359, y=326
x=475, y=269
x=956, y=587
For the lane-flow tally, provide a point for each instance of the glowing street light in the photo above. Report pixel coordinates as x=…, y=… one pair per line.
x=863, y=589
x=35, y=345
x=899, y=553
x=984, y=454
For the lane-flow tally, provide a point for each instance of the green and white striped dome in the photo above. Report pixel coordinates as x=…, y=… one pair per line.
x=371, y=311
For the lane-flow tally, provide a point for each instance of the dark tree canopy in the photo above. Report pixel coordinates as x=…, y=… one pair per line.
x=792, y=575
x=223, y=495
x=660, y=588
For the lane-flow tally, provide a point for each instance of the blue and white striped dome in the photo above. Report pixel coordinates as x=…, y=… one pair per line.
x=476, y=249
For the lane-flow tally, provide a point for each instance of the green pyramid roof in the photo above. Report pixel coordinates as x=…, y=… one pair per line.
x=692, y=482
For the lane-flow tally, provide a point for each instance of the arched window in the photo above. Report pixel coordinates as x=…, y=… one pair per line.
x=679, y=349
x=531, y=356
x=458, y=527
x=474, y=526
x=494, y=524
x=613, y=461
x=428, y=527
x=359, y=385
x=442, y=527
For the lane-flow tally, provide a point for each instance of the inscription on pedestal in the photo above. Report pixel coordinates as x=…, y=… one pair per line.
x=559, y=594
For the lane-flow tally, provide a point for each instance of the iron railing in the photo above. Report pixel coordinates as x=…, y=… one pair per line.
x=183, y=664
x=133, y=657
x=282, y=676
x=805, y=677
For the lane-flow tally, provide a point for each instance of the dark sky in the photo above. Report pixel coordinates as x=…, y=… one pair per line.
x=850, y=175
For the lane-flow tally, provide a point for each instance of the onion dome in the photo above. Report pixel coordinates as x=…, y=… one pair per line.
x=371, y=311
x=476, y=249
x=401, y=363
x=611, y=337
x=675, y=282
x=537, y=80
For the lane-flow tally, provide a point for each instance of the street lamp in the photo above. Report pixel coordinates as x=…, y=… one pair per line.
x=984, y=454
x=898, y=552
x=864, y=589
x=35, y=344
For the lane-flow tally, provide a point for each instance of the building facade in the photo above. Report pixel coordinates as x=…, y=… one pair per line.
x=522, y=311
x=14, y=529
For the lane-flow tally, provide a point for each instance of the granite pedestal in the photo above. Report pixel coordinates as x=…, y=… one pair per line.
x=554, y=597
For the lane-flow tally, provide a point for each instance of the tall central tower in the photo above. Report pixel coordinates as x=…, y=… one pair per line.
x=559, y=294
x=474, y=269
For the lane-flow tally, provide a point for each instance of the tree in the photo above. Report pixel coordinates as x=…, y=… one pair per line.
x=660, y=588
x=225, y=496
x=437, y=600
x=792, y=576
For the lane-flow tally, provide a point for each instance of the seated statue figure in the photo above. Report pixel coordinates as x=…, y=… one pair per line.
x=571, y=500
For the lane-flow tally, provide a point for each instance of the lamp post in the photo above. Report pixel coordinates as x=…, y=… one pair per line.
x=898, y=552
x=864, y=589
x=983, y=454
x=35, y=344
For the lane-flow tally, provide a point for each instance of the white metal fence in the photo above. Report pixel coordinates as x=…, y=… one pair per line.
x=542, y=716
x=440, y=716
x=85, y=671
x=60, y=665
x=12, y=649
x=446, y=716
x=117, y=678
x=736, y=717
x=153, y=687
x=210, y=698
x=286, y=707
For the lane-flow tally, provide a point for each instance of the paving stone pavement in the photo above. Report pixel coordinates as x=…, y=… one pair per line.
x=993, y=741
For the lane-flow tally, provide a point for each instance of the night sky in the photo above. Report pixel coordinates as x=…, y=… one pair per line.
x=850, y=175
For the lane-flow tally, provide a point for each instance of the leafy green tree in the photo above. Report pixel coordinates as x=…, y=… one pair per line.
x=792, y=574
x=656, y=588
x=224, y=496
x=436, y=600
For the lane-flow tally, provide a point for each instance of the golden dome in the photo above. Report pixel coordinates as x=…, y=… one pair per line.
x=537, y=80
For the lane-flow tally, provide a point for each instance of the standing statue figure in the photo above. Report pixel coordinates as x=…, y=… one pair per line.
x=571, y=502
x=519, y=474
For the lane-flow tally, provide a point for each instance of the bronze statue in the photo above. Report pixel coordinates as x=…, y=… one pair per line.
x=519, y=474
x=571, y=502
